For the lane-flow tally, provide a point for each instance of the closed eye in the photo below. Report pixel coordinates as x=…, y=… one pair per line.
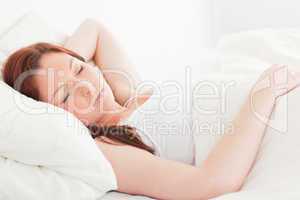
x=80, y=70
x=66, y=97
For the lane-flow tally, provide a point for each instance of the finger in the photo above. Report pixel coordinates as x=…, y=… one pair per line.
x=295, y=77
x=295, y=81
x=278, y=73
x=281, y=65
x=278, y=66
x=294, y=87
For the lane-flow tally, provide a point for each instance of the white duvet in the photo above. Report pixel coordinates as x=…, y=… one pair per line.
x=74, y=168
x=276, y=173
x=242, y=58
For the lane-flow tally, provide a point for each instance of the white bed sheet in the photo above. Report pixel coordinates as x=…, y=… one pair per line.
x=278, y=51
x=243, y=58
x=114, y=195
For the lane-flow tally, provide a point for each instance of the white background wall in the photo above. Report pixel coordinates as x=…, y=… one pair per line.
x=158, y=34
x=239, y=15
x=164, y=34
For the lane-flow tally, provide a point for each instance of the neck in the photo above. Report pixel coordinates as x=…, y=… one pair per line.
x=120, y=112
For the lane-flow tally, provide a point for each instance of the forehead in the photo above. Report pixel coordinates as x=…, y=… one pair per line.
x=53, y=67
x=57, y=61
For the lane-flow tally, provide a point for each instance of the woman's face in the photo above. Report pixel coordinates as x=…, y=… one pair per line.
x=75, y=86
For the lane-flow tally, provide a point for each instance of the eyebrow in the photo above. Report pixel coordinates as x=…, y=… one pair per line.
x=70, y=64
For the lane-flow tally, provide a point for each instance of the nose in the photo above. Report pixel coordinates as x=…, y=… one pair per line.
x=81, y=87
x=84, y=91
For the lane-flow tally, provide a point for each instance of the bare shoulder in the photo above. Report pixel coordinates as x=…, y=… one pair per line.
x=123, y=159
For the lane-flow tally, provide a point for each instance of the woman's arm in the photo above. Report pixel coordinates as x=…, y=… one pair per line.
x=93, y=41
x=226, y=167
x=224, y=170
x=139, y=172
x=233, y=155
x=236, y=151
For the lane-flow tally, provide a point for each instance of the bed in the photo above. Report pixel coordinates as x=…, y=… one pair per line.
x=235, y=59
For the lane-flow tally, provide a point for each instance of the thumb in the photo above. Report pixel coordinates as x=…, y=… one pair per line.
x=296, y=78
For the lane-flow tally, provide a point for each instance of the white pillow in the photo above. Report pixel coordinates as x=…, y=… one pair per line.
x=276, y=170
x=10, y=14
x=31, y=28
x=250, y=51
x=34, y=134
x=2, y=59
x=28, y=29
x=40, y=134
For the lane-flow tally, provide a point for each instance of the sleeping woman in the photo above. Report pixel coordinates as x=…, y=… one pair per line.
x=106, y=98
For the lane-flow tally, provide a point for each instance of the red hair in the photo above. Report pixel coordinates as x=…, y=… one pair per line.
x=27, y=58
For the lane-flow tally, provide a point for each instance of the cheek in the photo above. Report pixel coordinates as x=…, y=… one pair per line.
x=83, y=110
x=80, y=102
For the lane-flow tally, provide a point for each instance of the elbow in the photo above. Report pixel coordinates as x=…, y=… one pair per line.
x=221, y=183
x=229, y=185
x=221, y=188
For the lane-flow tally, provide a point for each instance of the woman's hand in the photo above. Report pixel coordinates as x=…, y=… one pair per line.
x=93, y=41
x=277, y=80
x=237, y=150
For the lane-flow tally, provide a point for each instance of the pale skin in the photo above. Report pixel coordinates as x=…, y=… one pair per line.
x=151, y=175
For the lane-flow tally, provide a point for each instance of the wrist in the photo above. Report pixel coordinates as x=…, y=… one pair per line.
x=262, y=102
x=262, y=92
